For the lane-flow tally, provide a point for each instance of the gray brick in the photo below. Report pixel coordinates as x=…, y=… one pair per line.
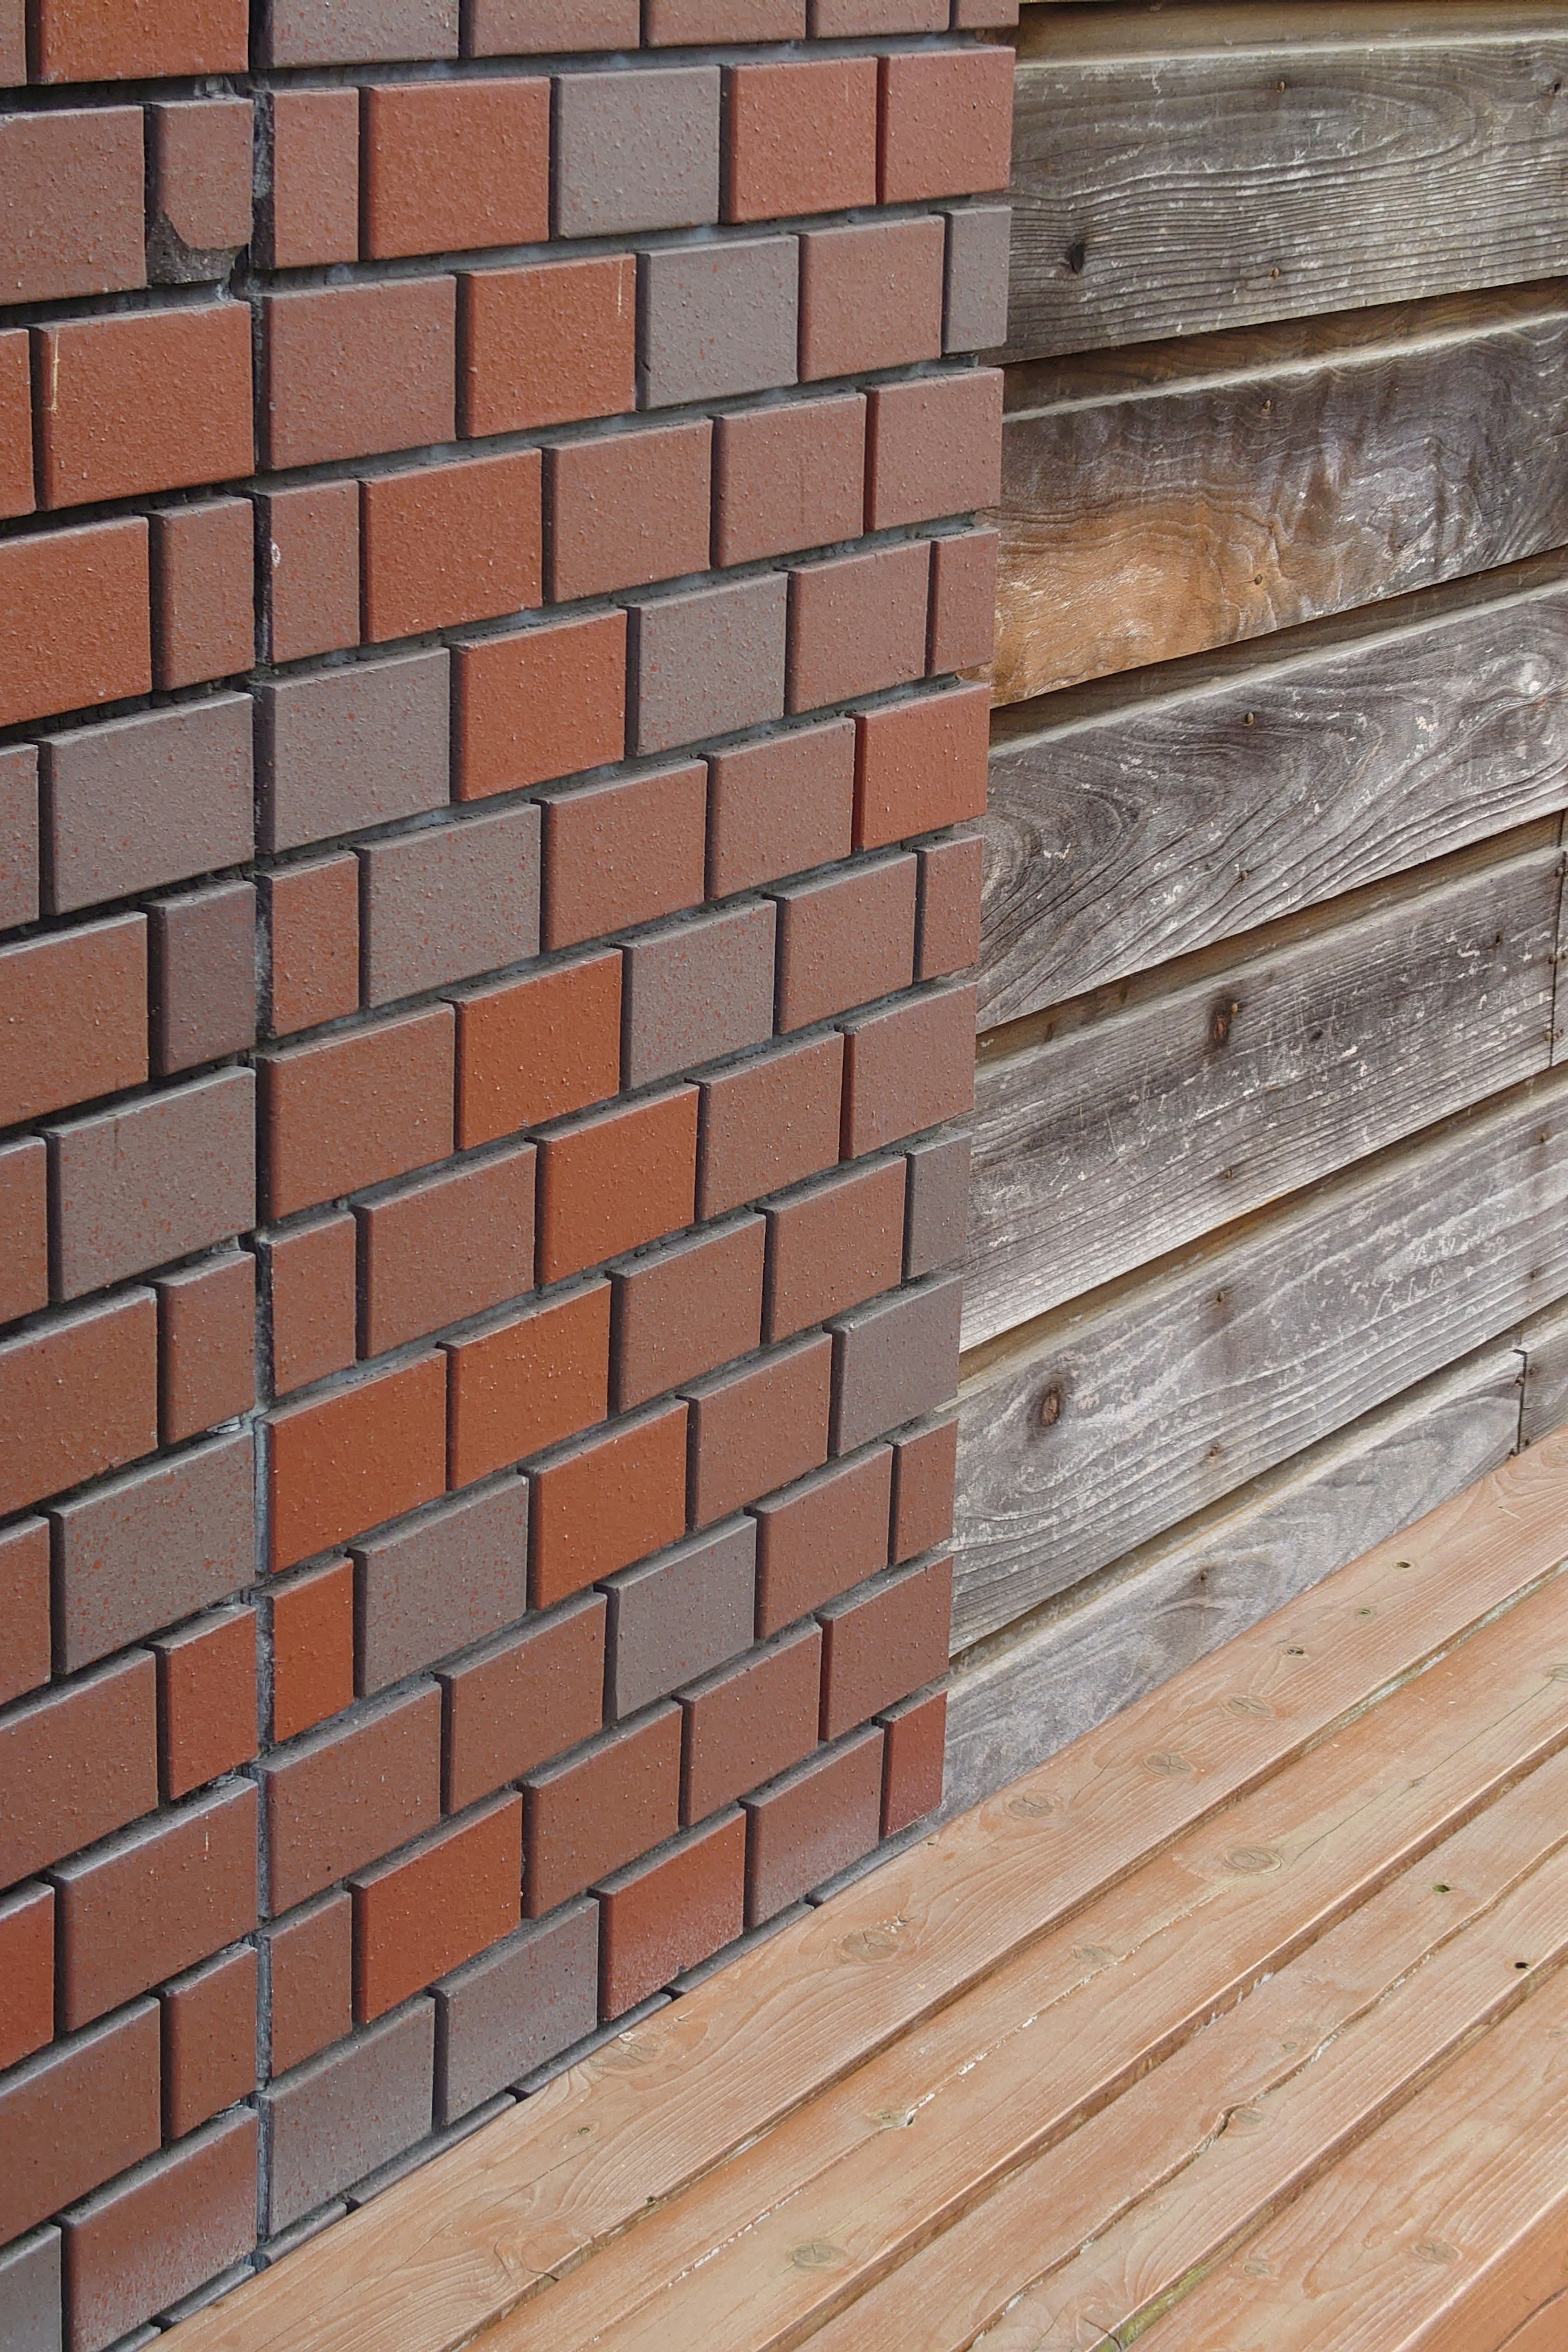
x=978, y=241
x=708, y=662
x=145, y=800
x=718, y=319
x=636, y=150
x=894, y=1359
x=144, y=1551
x=350, y=32
x=694, y=991
x=351, y=747
x=30, y=2294
x=449, y=901
x=342, y=2116
x=453, y=1578
x=677, y=1617
x=936, y=1213
x=515, y=2007
x=142, y=1185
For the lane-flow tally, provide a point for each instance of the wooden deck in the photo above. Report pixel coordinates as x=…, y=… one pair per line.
x=1238, y=2027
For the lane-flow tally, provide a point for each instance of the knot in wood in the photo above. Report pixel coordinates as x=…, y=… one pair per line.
x=818, y=2255
x=1221, y=1021
x=1050, y=1411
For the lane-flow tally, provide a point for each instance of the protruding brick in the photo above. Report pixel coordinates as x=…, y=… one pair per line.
x=344, y=1796
x=79, y=1395
x=882, y=1641
x=312, y=936
x=924, y=1477
x=525, y=1382
x=870, y=296
x=750, y=1722
x=26, y=1973
x=344, y=2114
x=31, y=2316
x=146, y=2241
x=310, y=214
x=680, y=24
x=71, y=203
x=908, y=1067
x=600, y=1808
x=433, y=1587
x=357, y=1457
x=203, y=591
x=635, y=151
x=858, y=624
x=839, y=20
x=524, y=1697
x=769, y=1123
x=309, y=1957
x=19, y=835
x=819, y=1538
x=934, y=446
x=199, y=154
x=963, y=600
x=152, y=1181
x=451, y=166
x=430, y=1909
x=920, y=764
x=615, y=1180
x=914, y=1760
x=351, y=369
x=532, y=1049
x=812, y=1824
x=624, y=852
x=204, y=975
x=77, y=1763
x=310, y=1285
x=176, y=384
x=606, y=1501
x=309, y=568
x=698, y=989
x=684, y=1309
x=845, y=939
x=23, y=1612
x=802, y=138
x=708, y=662
x=80, y=41
x=312, y=1651
x=947, y=122
x=893, y=1360
x=780, y=806
x=788, y=476
x=629, y=507
x=76, y=2115
x=206, y=1700
x=715, y=320
x=521, y=2003
x=834, y=1243
x=147, y=800
x=209, y=2039
x=24, y=1230
x=979, y=240
x=540, y=703
x=447, y=544
x=355, y=32
x=666, y=1913
x=346, y=1111
x=938, y=1219
x=16, y=429
x=445, y=1247
x=353, y=747
x=678, y=1616
x=548, y=343
x=448, y=900
x=75, y=618
x=759, y=1427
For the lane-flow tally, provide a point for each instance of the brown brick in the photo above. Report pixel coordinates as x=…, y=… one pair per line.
x=448, y=900
x=715, y=320
x=538, y=704
x=13, y=43
x=353, y=747
x=447, y=544
x=525, y=1697
x=950, y=874
x=895, y=1359
x=77, y=1763
x=434, y=1586
x=769, y=1123
x=635, y=151
x=678, y=24
x=750, y=1722
x=698, y=989
x=176, y=384
x=606, y=1500
x=200, y=178
x=934, y=446
x=845, y=938
x=309, y=571
x=920, y=764
x=979, y=238
x=908, y=1067
x=350, y=32
x=684, y=1309
x=77, y=2113
x=310, y=1968
x=342, y=1797
x=70, y=204
x=431, y=1909
x=548, y=343
x=679, y=1616
x=628, y=508
x=310, y=214
x=24, y=1613
x=622, y=851
x=708, y=662
x=615, y=1180
x=834, y=1243
x=348, y=2112
x=26, y=1972
x=871, y=296
x=882, y=1641
x=542, y=27
x=18, y=833
x=75, y=618
x=812, y=1824
x=147, y=2241
x=857, y=623
x=914, y=1761
x=667, y=1912
x=150, y=1902
x=347, y=1111
x=530, y=1050
x=598, y=1809
x=79, y=1395
x=444, y=1247
x=854, y=19
x=779, y=806
x=16, y=431
x=788, y=476
x=924, y=1477
x=24, y=1228
x=80, y=41
x=802, y=138
x=147, y=800
x=312, y=930
x=523, y=2001
x=204, y=574
x=206, y=1700
x=311, y=1286
x=351, y=369
x=152, y=1181
x=450, y=166
x=312, y=1651
x=937, y=1222
x=947, y=123
x=209, y=2040
x=528, y=1380
x=963, y=600
x=757, y=1428
x=819, y=1538
x=204, y=976
x=356, y=1458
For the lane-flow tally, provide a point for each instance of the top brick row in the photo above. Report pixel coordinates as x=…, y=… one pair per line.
x=146, y=40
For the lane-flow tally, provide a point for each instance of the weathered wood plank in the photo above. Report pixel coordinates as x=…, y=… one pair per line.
x=1133, y=1122
x=1109, y=1421
x=1175, y=172
x=1544, y=1405
x=1017, y=1700
x=1134, y=824
x=1189, y=495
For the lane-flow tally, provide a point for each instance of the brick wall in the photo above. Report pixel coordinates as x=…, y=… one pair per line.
x=487, y=568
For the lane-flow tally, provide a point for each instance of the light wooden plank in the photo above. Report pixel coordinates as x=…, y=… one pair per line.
x=1133, y=824
x=458, y=2243
x=1125, y=1127
x=1177, y=171
x=1021, y=1697
x=1102, y=1424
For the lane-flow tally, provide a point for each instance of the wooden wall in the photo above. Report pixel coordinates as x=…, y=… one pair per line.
x=1269, y=1227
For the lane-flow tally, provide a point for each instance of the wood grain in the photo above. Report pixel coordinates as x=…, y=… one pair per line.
x=1177, y=172
x=1131, y=825
x=1096, y=1428
x=1021, y=1697
x=1189, y=495
x=1543, y=1407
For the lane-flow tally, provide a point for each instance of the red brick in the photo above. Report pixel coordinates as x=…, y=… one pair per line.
x=342, y=1112
x=204, y=569
x=779, y=806
x=538, y=704
x=914, y=1761
x=529, y=1381
x=679, y=24
x=607, y=1500
x=951, y=873
x=206, y=1700
x=812, y=1824
x=357, y=1458
x=635, y=151
x=963, y=600
x=70, y=204
x=351, y=369
x=924, y=1478
x=77, y=1396
x=882, y=1641
x=666, y=1913
x=352, y=747
x=26, y=1972
x=947, y=123
x=599, y=1808
x=857, y=623
x=968, y=15
x=451, y=166
x=684, y=1309
x=16, y=427
x=150, y=1902
x=447, y=544
x=351, y=32
x=24, y=1228
x=77, y=2113
x=524, y=1699
x=75, y=618
x=833, y=1245
x=802, y=138
x=448, y=900
x=445, y=1247
x=718, y=319
x=343, y=1797
x=871, y=296
x=79, y=40
x=817, y=1538
x=751, y=1721
x=788, y=476
x=837, y=20
x=23, y=1613
x=706, y=663
x=769, y=1123
x=151, y=2239
x=209, y=2040
x=312, y=928
x=615, y=1180
x=77, y=1763
x=548, y=343
x=147, y=401
x=629, y=507
x=139, y=802
x=698, y=989
x=309, y=572
x=200, y=173
x=312, y=1648
x=895, y=1360
x=310, y=213
x=934, y=446
x=152, y=1181
x=312, y=1291
x=152, y=1547
x=532, y=1049
x=622, y=851
x=429, y=1910
x=19, y=835
x=438, y=1583
x=678, y=1615
x=755, y=1429
x=310, y=1968
x=845, y=938
x=920, y=764
x=908, y=1067
x=936, y=1225
x=541, y=27
x=204, y=975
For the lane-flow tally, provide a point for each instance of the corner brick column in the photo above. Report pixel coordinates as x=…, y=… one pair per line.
x=491, y=626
